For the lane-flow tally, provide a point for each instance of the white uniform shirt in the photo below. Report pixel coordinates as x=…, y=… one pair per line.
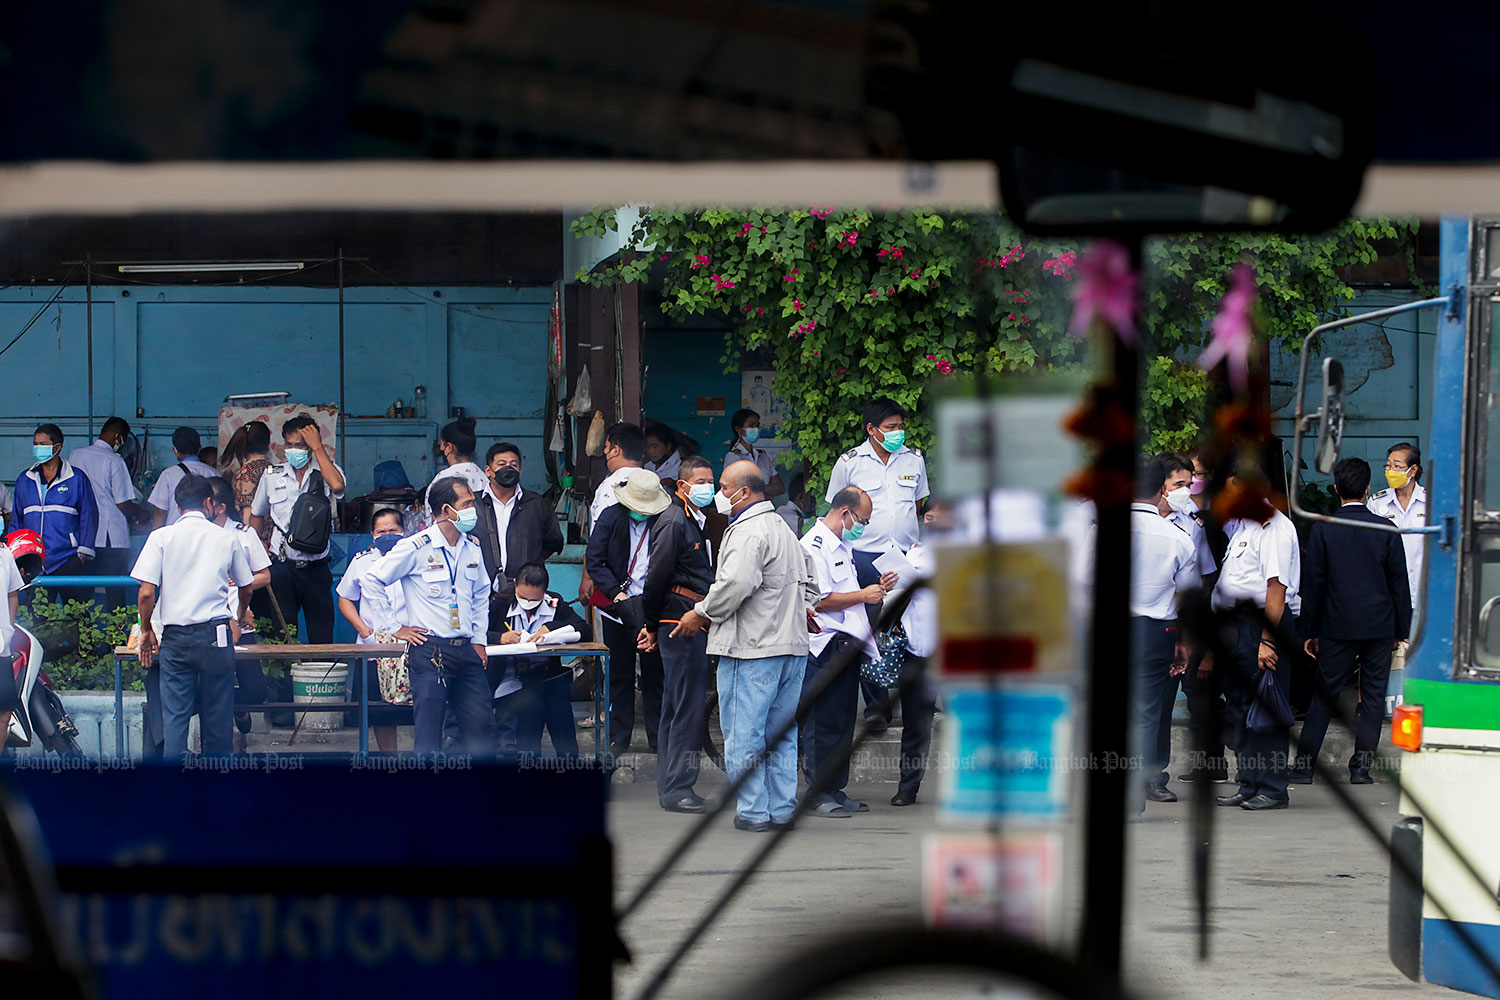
x=528, y=622
x=919, y=621
x=255, y=556
x=110, y=479
x=434, y=576
x=164, y=493
x=761, y=457
x=276, y=495
x=604, y=496
x=390, y=615
x=1386, y=505
x=640, y=535
x=668, y=469
x=833, y=562
x=895, y=487
x=472, y=475
x=192, y=562
x=1162, y=564
x=503, y=511
x=1201, y=549
x=10, y=582
x=1257, y=552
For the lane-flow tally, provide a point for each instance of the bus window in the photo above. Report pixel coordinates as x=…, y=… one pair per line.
x=1486, y=646
x=1491, y=403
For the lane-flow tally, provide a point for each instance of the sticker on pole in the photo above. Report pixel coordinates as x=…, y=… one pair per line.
x=1003, y=608
x=1006, y=754
x=1011, y=882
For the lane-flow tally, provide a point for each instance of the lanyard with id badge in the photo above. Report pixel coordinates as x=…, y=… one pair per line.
x=437, y=654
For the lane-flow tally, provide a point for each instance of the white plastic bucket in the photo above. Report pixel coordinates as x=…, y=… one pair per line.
x=319, y=683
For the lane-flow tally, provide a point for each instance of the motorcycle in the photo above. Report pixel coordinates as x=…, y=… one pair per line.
x=41, y=719
x=38, y=718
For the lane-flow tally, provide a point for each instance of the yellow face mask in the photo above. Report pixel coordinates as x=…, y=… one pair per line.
x=1397, y=479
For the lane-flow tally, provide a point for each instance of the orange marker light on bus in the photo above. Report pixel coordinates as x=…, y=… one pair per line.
x=1406, y=727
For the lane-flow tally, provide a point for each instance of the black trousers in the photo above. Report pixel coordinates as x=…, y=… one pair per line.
x=305, y=588
x=830, y=723
x=918, y=702
x=112, y=562
x=542, y=703
x=679, y=745
x=622, y=655
x=1336, y=663
x=1262, y=756
x=1214, y=710
x=1155, y=648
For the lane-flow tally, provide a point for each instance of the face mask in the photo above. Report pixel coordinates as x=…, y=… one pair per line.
x=1181, y=500
x=1397, y=479
x=528, y=605
x=387, y=542
x=893, y=440
x=637, y=516
x=507, y=476
x=297, y=457
x=465, y=520
x=725, y=504
x=42, y=452
x=116, y=447
x=751, y=435
x=854, y=531
x=1198, y=486
x=701, y=494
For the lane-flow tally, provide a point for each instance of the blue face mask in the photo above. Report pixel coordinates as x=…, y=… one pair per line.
x=42, y=452
x=387, y=542
x=701, y=494
x=752, y=435
x=893, y=440
x=637, y=516
x=298, y=457
x=853, y=532
x=466, y=520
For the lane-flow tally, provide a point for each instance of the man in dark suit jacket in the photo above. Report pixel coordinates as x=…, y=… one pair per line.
x=531, y=532
x=1356, y=606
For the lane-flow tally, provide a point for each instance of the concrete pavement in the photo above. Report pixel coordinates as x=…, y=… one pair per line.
x=1298, y=896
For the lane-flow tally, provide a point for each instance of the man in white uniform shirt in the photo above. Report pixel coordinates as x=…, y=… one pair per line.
x=1261, y=577
x=441, y=573
x=185, y=445
x=1163, y=565
x=1405, y=504
x=191, y=566
x=114, y=497
x=843, y=623
x=895, y=477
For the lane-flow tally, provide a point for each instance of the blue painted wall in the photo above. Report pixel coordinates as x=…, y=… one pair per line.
x=682, y=365
x=177, y=351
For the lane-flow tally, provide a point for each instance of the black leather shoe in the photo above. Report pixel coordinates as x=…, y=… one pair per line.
x=740, y=823
x=689, y=804
x=904, y=799
x=1261, y=802
x=1360, y=778
x=877, y=725
x=242, y=722
x=789, y=824
x=1237, y=799
x=1300, y=776
x=1160, y=793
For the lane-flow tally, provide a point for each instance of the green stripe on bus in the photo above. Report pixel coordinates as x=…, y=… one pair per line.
x=1455, y=705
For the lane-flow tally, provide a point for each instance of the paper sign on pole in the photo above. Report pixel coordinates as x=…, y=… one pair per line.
x=1007, y=754
x=1003, y=607
x=1011, y=882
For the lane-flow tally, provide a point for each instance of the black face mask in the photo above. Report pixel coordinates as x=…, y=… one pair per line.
x=507, y=477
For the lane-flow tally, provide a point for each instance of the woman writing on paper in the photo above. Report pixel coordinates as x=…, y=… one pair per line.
x=535, y=689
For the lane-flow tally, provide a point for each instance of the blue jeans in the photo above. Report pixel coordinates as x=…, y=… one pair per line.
x=195, y=669
x=757, y=697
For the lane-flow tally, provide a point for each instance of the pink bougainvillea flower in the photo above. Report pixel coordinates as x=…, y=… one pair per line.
x=745, y=229
x=1106, y=291
x=666, y=256
x=796, y=303
x=1232, y=330
x=841, y=371
x=821, y=212
x=700, y=261
x=720, y=284
x=849, y=239
x=759, y=311
x=792, y=276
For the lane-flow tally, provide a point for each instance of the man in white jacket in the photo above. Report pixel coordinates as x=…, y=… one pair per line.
x=757, y=613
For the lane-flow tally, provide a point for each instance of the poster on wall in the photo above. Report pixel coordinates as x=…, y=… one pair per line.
x=232, y=418
x=758, y=393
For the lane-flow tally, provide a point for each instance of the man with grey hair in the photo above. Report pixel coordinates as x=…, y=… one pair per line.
x=757, y=614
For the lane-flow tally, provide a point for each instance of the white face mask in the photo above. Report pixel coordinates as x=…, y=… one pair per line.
x=1181, y=500
x=725, y=504
x=528, y=605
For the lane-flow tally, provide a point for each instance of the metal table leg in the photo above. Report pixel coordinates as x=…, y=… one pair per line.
x=605, y=712
x=119, y=708
x=364, y=707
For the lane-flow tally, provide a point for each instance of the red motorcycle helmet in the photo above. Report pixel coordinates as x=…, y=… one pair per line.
x=27, y=549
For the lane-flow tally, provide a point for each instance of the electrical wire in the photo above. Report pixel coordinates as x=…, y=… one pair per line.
x=62, y=287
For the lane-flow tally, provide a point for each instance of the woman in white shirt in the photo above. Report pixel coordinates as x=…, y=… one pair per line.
x=663, y=453
x=386, y=530
x=457, y=443
x=746, y=427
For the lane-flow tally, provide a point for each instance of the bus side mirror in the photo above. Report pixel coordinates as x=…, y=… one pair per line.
x=1331, y=422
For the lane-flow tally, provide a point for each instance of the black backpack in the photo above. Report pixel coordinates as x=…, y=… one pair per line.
x=312, y=518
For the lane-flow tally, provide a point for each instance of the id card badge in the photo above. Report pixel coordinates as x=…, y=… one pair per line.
x=453, y=614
